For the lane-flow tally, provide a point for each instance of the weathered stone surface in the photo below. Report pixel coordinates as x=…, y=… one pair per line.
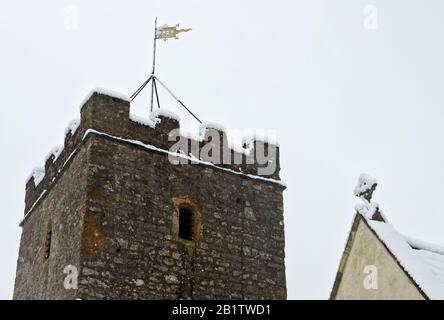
x=113, y=208
x=65, y=206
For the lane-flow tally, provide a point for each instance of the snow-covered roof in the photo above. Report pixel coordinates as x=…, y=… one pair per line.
x=422, y=261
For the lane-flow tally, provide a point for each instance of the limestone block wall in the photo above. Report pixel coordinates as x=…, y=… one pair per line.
x=111, y=199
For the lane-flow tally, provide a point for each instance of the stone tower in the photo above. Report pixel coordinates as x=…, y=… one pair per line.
x=120, y=213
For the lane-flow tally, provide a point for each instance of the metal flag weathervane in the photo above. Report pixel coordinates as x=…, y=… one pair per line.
x=162, y=33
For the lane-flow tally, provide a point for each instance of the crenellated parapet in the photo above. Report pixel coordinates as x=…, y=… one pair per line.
x=109, y=115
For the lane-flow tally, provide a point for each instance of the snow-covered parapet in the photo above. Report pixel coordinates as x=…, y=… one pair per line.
x=214, y=132
x=72, y=127
x=250, y=139
x=155, y=117
x=54, y=154
x=149, y=122
x=38, y=173
x=104, y=92
x=211, y=125
x=364, y=191
x=107, y=114
x=163, y=113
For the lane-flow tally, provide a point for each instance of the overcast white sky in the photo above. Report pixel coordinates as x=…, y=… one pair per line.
x=343, y=99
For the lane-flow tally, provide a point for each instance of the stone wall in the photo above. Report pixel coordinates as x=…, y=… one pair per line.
x=111, y=115
x=63, y=207
x=114, y=205
x=131, y=197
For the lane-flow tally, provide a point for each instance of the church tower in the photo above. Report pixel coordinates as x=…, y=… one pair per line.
x=129, y=209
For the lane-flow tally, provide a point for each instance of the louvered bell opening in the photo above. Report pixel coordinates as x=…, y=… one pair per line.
x=186, y=222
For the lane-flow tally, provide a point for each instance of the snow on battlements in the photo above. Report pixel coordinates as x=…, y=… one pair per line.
x=250, y=139
x=72, y=126
x=107, y=114
x=211, y=125
x=164, y=113
x=104, y=92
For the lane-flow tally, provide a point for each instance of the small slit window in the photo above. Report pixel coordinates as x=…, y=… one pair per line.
x=48, y=240
x=186, y=224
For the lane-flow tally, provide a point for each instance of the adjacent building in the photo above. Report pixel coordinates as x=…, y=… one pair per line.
x=380, y=263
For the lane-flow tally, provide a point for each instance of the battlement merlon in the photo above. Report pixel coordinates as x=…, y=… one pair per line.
x=109, y=114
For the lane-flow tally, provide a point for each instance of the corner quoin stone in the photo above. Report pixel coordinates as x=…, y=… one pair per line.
x=112, y=207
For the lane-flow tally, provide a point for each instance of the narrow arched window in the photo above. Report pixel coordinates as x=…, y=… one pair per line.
x=48, y=240
x=186, y=223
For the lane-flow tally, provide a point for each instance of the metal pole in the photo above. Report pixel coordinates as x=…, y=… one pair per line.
x=135, y=94
x=176, y=98
x=154, y=64
x=157, y=94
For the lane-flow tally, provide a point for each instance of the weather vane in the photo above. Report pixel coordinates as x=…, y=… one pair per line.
x=164, y=33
